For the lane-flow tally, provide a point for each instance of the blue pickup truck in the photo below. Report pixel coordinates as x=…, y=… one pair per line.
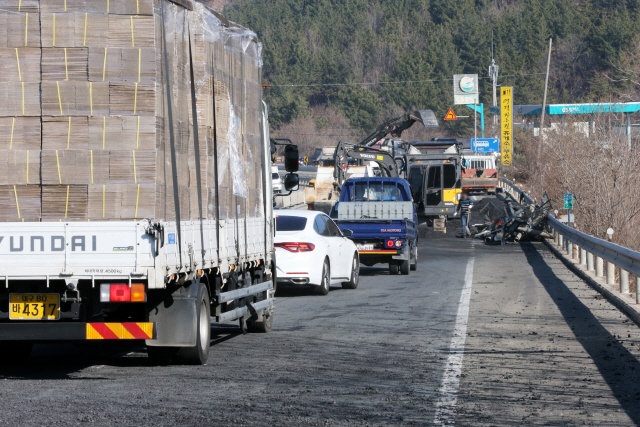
x=382, y=217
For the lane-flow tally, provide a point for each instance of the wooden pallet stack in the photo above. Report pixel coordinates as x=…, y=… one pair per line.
x=84, y=112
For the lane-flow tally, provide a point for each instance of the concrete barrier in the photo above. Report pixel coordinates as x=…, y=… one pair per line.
x=296, y=198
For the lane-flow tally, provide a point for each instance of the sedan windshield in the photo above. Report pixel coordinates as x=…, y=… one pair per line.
x=290, y=223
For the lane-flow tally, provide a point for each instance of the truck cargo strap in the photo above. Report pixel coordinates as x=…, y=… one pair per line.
x=76, y=331
x=242, y=311
x=243, y=292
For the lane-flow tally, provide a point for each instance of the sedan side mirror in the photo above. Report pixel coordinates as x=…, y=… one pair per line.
x=347, y=233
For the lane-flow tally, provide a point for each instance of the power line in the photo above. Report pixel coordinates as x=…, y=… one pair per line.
x=391, y=82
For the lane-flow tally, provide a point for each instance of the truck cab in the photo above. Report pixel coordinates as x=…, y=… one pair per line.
x=381, y=214
x=435, y=176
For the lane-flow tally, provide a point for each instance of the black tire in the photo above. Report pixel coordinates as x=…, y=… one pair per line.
x=15, y=353
x=325, y=283
x=414, y=263
x=263, y=326
x=199, y=353
x=394, y=268
x=404, y=267
x=355, y=274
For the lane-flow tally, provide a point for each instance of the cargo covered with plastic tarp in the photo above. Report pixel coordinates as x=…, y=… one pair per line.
x=97, y=115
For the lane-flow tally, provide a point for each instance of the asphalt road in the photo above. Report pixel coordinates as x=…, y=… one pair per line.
x=480, y=335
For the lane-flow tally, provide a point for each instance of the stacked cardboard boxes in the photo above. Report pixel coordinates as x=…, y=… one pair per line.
x=91, y=93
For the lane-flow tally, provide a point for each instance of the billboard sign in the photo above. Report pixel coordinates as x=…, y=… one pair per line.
x=506, y=124
x=465, y=89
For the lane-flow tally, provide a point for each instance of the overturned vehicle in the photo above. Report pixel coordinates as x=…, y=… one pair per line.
x=506, y=220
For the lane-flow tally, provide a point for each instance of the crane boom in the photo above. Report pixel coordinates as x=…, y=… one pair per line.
x=397, y=125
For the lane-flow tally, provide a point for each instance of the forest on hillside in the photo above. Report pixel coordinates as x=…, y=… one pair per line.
x=334, y=65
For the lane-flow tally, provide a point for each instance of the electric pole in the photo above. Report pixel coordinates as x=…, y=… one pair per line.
x=493, y=75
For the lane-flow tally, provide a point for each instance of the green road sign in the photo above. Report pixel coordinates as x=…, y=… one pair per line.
x=568, y=201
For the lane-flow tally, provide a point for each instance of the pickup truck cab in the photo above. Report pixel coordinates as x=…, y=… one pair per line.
x=381, y=214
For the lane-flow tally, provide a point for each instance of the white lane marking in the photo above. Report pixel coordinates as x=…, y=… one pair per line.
x=448, y=393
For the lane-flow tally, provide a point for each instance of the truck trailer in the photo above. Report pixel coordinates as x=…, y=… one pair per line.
x=137, y=202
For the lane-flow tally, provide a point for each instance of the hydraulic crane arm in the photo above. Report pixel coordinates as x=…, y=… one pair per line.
x=397, y=125
x=342, y=154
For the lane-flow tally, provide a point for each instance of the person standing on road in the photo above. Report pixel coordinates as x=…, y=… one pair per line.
x=465, y=206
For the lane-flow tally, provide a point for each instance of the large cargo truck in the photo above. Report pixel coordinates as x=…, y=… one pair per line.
x=137, y=203
x=479, y=174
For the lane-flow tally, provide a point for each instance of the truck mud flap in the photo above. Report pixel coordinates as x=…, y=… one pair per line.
x=76, y=331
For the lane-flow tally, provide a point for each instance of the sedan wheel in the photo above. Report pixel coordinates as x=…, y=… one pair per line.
x=325, y=284
x=355, y=274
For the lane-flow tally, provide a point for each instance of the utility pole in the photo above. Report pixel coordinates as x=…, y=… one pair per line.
x=493, y=75
x=544, y=99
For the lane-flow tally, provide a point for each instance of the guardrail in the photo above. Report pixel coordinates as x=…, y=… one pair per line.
x=590, y=251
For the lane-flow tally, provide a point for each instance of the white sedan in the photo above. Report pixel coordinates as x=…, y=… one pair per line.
x=311, y=249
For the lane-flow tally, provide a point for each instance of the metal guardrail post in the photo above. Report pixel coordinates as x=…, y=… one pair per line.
x=599, y=267
x=561, y=240
x=555, y=237
x=583, y=256
x=624, y=281
x=590, y=266
x=611, y=273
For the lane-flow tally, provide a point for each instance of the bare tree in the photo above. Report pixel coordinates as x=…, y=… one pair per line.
x=593, y=161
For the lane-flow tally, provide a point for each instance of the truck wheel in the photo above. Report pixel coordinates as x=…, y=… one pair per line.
x=198, y=354
x=414, y=263
x=404, y=267
x=393, y=267
x=325, y=284
x=13, y=353
x=355, y=274
x=263, y=326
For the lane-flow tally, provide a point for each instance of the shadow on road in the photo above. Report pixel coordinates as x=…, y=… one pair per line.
x=293, y=291
x=616, y=364
x=377, y=270
x=56, y=361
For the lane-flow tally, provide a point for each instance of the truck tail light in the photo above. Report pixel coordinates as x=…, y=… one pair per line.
x=137, y=293
x=296, y=246
x=120, y=293
x=390, y=243
x=398, y=243
x=123, y=293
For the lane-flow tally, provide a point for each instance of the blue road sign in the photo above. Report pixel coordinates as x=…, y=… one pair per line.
x=485, y=145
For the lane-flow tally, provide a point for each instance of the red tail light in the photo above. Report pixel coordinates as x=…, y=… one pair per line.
x=390, y=243
x=296, y=246
x=120, y=293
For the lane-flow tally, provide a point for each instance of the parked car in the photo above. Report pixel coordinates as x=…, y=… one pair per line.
x=311, y=250
x=276, y=181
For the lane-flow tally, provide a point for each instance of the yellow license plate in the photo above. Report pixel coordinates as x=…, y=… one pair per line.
x=34, y=306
